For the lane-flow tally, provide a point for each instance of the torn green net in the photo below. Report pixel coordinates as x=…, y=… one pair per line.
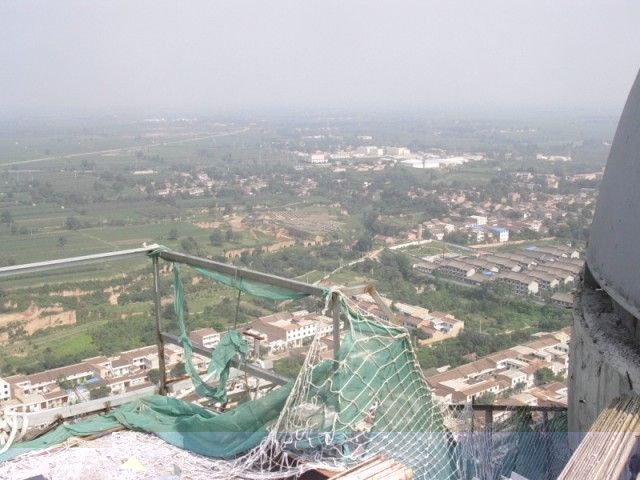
x=231, y=344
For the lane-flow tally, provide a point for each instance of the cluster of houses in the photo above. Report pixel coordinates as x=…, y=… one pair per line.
x=124, y=373
x=362, y=152
x=529, y=210
x=194, y=186
x=509, y=375
x=430, y=159
x=535, y=270
x=476, y=228
x=429, y=326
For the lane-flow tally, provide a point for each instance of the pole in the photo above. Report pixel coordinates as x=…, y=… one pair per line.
x=336, y=323
x=547, y=444
x=162, y=389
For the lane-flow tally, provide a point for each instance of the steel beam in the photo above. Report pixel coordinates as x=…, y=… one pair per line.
x=336, y=324
x=250, y=369
x=27, y=268
x=162, y=390
x=238, y=272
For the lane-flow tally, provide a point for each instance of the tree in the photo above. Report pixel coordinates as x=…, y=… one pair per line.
x=99, y=392
x=458, y=238
x=178, y=370
x=6, y=217
x=153, y=376
x=363, y=244
x=487, y=398
x=189, y=245
x=216, y=238
x=421, y=334
x=173, y=234
x=62, y=241
x=72, y=223
x=64, y=384
x=544, y=375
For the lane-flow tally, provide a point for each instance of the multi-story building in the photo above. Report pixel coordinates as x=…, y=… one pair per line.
x=519, y=283
x=207, y=337
x=285, y=330
x=456, y=269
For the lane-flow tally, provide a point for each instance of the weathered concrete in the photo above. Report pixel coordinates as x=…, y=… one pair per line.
x=612, y=254
x=604, y=360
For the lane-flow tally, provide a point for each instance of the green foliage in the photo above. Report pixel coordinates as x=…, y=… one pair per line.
x=123, y=334
x=189, y=245
x=178, y=370
x=288, y=367
x=216, y=238
x=6, y=217
x=364, y=244
x=65, y=384
x=487, y=398
x=458, y=238
x=72, y=223
x=545, y=375
x=99, y=392
x=153, y=376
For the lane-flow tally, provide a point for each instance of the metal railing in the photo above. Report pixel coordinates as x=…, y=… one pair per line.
x=170, y=256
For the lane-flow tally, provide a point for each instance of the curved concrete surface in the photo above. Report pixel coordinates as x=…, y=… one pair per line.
x=613, y=253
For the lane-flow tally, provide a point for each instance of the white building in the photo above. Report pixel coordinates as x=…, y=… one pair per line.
x=207, y=337
x=5, y=390
x=478, y=219
x=398, y=151
x=502, y=234
x=317, y=158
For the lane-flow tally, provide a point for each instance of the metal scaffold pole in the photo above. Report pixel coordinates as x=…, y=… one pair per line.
x=336, y=323
x=162, y=389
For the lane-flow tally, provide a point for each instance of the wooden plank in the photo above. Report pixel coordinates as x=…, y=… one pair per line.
x=605, y=451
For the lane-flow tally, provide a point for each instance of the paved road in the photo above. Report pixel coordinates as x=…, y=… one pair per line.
x=122, y=149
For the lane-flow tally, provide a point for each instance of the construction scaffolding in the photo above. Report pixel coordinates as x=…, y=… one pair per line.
x=369, y=402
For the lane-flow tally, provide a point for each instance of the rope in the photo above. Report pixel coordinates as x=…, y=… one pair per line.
x=11, y=429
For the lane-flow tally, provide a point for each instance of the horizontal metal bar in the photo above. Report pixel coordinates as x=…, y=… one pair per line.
x=73, y=261
x=245, y=273
x=45, y=417
x=356, y=290
x=246, y=367
x=506, y=408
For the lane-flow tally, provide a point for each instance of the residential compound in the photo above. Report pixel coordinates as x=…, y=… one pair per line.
x=510, y=374
x=535, y=270
x=529, y=206
x=429, y=159
x=124, y=373
x=283, y=331
x=430, y=326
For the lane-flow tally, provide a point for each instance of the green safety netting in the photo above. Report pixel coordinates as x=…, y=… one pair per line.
x=231, y=344
x=370, y=400
x=180, y=423
x=518, y=442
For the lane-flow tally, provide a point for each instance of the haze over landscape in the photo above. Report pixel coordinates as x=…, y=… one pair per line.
x=319, y=239
x=61, y=57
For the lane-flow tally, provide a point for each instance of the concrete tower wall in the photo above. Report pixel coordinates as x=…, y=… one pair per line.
x=604, y=360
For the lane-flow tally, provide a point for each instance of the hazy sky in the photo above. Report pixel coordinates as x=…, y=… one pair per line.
x=59, y=55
